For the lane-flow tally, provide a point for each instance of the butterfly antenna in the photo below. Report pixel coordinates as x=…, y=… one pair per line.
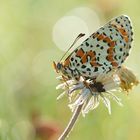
x=77, y=38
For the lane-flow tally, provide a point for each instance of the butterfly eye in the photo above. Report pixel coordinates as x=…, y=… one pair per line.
x=59, y=66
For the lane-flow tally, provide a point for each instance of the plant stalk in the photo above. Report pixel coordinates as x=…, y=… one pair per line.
x=71, y=123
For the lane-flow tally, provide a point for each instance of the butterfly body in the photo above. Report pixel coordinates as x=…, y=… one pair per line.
x=103, y=51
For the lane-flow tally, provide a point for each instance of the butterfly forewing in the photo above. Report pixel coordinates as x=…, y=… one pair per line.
x=104, y=50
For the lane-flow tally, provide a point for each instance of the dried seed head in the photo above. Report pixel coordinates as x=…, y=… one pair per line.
x=127, y=78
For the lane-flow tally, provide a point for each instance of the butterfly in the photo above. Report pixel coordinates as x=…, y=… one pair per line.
x=104, y=50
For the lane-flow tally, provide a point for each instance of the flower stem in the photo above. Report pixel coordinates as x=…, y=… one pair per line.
x=71, y=123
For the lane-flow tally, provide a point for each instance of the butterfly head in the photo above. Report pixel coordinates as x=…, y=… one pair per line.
x=58, y=66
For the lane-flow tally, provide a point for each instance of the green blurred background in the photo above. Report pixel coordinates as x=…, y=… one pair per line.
x=28, y=106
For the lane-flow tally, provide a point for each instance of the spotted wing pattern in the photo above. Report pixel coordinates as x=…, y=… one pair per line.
x=104, y=50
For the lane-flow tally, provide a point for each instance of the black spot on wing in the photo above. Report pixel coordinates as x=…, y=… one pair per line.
x=87, y=44
x=95, y=69
x=83, y=66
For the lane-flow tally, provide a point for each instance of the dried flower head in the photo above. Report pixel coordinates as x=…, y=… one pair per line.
x=85, y=95
x=127, y=78
x=90, y=92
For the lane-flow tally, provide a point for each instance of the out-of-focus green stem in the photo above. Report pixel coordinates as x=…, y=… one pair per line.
x=71, y=123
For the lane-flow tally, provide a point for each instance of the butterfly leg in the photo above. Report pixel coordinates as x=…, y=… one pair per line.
x=65, y=80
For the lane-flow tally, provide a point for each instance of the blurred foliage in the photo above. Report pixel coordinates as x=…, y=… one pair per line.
x=27, y=78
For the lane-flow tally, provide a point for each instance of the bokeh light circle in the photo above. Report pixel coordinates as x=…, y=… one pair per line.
x=76, y=21
x=89, y=16
x=67, y=29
